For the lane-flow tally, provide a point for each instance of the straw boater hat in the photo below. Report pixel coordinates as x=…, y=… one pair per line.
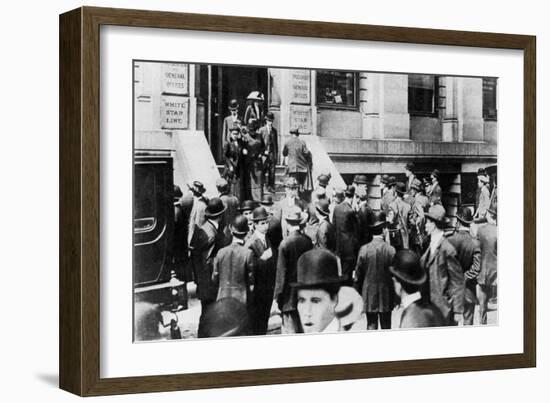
x=406, y=267
x=255, y=96
x=214, y=208
x=197, y=188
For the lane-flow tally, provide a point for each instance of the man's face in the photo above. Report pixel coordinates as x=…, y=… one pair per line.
x=316, y=309
x=407, y=173
x=269, y=123
x=234, y=112
x=248, y=215
x=430, y=226
x=261, y=226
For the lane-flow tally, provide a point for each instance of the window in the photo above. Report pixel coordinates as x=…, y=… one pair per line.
x=336, y=88
x=422, y=94
x=489, y=98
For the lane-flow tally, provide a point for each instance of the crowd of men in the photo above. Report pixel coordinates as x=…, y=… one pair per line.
x=324, y=264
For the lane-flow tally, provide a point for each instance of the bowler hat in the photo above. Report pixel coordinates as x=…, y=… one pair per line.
x=406, y=267
x=360, y=179
x=409, y=166
x=239, y=226
x=481, y=171
x=197, y=188
x=255, y=96
x=270, y=116
x=392, y=180
x=465, y=216
x=267, y=200
x=323, y=207
x=296, y=217
x=437, y=213
x=350, y=191
x=247, y=205
x=224, y=318
x=291, y=182
x=317, y=267
x=377, y=219
x=323, y=180
x=233, y=105
x=214, y=208
x=400, y=188
x=259, y=214
x=385, y=179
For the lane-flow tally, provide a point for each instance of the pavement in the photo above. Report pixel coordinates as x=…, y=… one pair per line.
x=188, y=319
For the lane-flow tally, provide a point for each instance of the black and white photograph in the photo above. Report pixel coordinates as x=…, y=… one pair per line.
x=279, y=201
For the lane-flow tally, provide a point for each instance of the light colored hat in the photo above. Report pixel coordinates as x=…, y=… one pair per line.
x=255, y=96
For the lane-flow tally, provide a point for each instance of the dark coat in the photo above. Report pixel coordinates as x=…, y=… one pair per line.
x=363, y=217
x=468, y=253
x=271, y=141
x=290, y=251
x=373, y=279
x=283, y=207
x=299, y=157
x=422, y=314
x=325, y=237
x=445, y=278
x=399, y=224
x=232, y=205
x=234, y=268
x=347, y=231
x=206, y=242
x=487, y=235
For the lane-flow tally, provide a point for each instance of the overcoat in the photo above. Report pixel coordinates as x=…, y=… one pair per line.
x=347, y=231
x=299, y=157
x=487, y=235
x=271, y=141
x=290, y=251
x=468, y=253
x=254, y=166
x=206, y=242
x=422, y=314
x=282, y=209
x=363, y=217
x=373, y=279
x=228, y=123
x=445, y=278
x=234, y=268
x=399, y=223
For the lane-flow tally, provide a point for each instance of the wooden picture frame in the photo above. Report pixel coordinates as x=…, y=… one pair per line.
x=80, y=200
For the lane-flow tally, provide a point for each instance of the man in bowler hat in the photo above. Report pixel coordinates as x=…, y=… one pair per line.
x=298, y=158
x=347, y=233
x=270, y=138
x=408, y=279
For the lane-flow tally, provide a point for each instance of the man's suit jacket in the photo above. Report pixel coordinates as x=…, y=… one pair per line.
x=325, y=236
x=468, y=253
x=387, y=198
x=363, y=217
x=299, y=157
x=265, y=268
x=271, y=142
x=487, y=235
x=226, y=127
x=206, y=242
x=401, y=219
x=232, y=206
x=234, y=268
x=435, y=194
x=445, y=278
x=347, y=233
x=283, y=207
x=422, y=314
x=373, y=278
x=290, y=251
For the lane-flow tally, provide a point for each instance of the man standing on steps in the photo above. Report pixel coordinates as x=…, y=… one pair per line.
x=298, y=158
x=271, y=153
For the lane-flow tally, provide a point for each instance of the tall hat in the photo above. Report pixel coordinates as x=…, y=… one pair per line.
x=465, y=216
x=233, y=105
x=406, y=267
x=409, y=166
x=323, y=207
x=267, y=200
x=224, y=318
x=377, y=219
x=259, y=214
x=360, y=179
x=317, y=267
x=400, y=188
x=270, y=116
x=247, y=205
x=214, y=208
x=296, y=217
x=239, y=226
x=197, y=188
x=437, y=213
x=255, y=96
x=323, y=179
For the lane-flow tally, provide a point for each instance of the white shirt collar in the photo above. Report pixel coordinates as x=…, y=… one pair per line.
x=333, y=326
x=410, y=298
